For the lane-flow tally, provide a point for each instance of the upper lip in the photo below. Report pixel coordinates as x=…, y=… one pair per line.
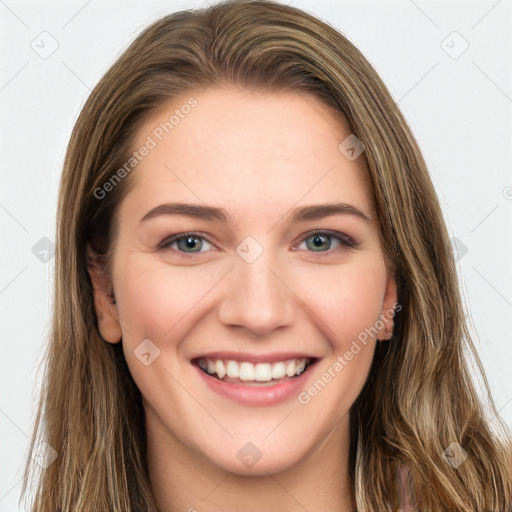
x=256, y=358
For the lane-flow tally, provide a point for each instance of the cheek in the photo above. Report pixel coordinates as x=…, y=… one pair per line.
x=155, y=299
x=348, y=303
x=156, y=303
x=346, y=299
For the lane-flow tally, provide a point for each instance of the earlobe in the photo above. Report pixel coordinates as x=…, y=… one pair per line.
x=104, y=300
x=389, y=306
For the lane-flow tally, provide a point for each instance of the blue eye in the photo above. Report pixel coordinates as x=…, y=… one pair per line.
x=186, y=242
x=318, y=241
x=321, y=241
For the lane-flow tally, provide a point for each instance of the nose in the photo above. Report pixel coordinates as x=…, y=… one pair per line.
x=257, y=298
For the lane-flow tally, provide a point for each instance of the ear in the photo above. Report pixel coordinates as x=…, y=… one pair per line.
x=389, y=307
x=104, y=301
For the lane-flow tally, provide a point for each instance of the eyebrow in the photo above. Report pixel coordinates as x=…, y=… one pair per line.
x=210, y=213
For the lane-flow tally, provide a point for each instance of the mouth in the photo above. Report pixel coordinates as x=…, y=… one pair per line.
x=247, y=373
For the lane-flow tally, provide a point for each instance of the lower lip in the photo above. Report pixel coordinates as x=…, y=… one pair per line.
x=257, y=395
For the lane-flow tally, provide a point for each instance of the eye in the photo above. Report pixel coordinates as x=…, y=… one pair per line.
x=186, y=242
x=321, y=241
x=318, y=241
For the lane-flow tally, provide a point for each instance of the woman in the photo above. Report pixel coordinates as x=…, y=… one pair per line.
x=256, y=303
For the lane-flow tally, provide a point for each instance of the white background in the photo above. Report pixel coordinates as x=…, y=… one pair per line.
x=458, y=108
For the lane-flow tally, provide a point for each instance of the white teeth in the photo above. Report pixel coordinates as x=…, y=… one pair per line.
x=278, y=370
x=246, y=371
x=300, y=367
x=263, y=372
x=220, y=369
x=210, y=366
x=290, y=369
x=232, y=369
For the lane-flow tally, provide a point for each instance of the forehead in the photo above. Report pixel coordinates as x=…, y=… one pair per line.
x=240, y=148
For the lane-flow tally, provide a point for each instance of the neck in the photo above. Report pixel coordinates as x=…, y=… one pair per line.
x=183, y=480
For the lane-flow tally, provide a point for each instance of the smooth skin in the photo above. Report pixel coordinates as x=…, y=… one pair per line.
x=258, y=156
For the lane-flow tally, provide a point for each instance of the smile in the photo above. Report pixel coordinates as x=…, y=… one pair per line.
x=257, y=383
x=250, y=373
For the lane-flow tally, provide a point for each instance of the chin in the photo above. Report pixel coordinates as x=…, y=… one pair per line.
x=258, y=457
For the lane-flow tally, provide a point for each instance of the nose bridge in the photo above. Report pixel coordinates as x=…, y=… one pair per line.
x=256, y=296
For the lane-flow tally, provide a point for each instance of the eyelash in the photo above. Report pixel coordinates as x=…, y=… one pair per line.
x=344, y=240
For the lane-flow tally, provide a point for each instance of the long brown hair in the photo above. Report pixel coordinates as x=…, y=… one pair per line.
x=419, y=400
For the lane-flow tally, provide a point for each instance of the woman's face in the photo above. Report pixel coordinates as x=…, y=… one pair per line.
x=251, y=288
